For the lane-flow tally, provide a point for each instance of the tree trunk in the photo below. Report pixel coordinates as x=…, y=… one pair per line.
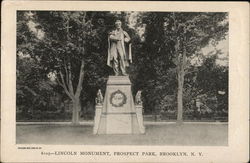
x=66, y=83
x=75, y=111
x=181, y=75
x=179, y=98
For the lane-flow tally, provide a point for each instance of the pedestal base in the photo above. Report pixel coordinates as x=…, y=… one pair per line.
x=118, y=115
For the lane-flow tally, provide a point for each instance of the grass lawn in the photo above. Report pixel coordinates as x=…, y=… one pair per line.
x=163, y=134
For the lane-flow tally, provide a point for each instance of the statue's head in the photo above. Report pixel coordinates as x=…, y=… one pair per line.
x=118, y=24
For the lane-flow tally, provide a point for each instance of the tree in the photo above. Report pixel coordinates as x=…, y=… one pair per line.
x=189, y=32
x=73, y=47
x=69, y=38
x=171, y=41
x=33, y=89
x=212, y=80
x=33, y=86
x=152, y=61
x=65, y=41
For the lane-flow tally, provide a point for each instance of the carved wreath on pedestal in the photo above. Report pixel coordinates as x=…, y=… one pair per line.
x=118, y=98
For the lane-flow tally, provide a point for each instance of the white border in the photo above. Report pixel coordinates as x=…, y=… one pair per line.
x=237, y=151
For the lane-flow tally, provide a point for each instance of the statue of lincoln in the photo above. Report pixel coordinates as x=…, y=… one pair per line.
x=119, y=50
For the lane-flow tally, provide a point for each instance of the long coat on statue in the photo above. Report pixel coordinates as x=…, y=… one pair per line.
x=112, y=47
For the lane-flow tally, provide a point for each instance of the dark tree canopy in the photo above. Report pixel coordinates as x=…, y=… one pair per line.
x=72, y=45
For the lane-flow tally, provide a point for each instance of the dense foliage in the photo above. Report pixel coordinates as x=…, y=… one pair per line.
x=65, y=56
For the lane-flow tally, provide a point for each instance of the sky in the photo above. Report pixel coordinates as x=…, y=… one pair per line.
x=224, y=47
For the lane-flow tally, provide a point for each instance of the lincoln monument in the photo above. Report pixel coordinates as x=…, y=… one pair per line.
x=117, y=113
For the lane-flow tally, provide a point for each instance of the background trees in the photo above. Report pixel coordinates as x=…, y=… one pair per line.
x=190, y=32
x=174, y=40
x=68, y=50
x=71, y=47
x=33, y=86
x=61, y=50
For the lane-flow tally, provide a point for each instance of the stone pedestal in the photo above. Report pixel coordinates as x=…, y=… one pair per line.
x=118, y=114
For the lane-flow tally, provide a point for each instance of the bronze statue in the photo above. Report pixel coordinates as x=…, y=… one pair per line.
x=119, y=50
